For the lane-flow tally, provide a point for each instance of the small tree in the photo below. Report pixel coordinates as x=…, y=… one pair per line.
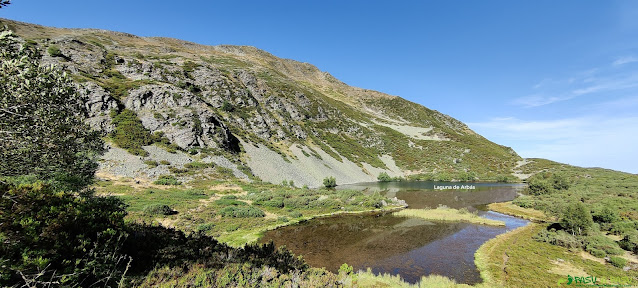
x=538, y=186
x=330, y=182
x=41, y=127
x=384, y=177
x=576, y=218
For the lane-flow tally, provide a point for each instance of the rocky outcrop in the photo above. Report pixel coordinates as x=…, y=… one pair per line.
x=211, y=97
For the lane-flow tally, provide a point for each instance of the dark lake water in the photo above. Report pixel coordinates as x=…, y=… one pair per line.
x=409, y=247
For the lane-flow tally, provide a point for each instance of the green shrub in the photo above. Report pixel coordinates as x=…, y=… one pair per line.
x=176, y=170
x=346, y=195
x=559, y=238
x=205, y=227
x=226, y=106
x=330, y=182
x=158, y=209
x=295, y=214
x=538, y=187
x=606, y=215
x=277, y=202
x=198, y=165
x=151, y=163
x=618, y=261
x=167, y=180
x=601, y=242
x=298, y=202
x=576, y=218
x=630, y=242
x=597, y=252
x=54, y=51
x=129, y=132
x=241, y=212
x=230, y=202
x=623, y=227
x=164, y=162
x=54, y=235
x=384, y=177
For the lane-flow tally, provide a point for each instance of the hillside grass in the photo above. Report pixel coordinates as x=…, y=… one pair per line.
x=448, y=214
x=515, y=259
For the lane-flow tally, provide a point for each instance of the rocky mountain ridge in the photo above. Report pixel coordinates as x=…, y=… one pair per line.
x=278, y=119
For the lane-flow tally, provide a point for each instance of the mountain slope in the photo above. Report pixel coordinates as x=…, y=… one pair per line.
x=245, y=109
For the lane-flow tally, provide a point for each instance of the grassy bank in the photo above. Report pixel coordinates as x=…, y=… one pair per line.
x=508, y=208
x=232, y=211
x=448, y=214
x=515, y=259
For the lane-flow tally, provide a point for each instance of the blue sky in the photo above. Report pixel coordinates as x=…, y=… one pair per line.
x=552, y=79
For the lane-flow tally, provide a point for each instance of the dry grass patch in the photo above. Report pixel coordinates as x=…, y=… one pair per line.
x=448, y=214
x=508, y=208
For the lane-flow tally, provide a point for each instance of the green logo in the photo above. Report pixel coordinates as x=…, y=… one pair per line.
x=591, y=281
x=569, y=280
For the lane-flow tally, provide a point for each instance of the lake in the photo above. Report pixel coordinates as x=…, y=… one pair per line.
x=409, y=247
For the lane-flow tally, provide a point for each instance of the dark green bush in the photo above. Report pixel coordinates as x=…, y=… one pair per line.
x=164, y=162
x=158, y=209
x=176, y=170
x=630, y=242
x=206, y=227
x=167, y=180
x=618, y=261
x=559, y=238
x=330, y=182
x=60, y=236
x=384, y=177
x=129, y=132
x=538, y=187
x=597, y=252
x=623, y=227
x=601, y=242
x=198, y=165
x=151, y=163
x=241, y=212
x=277, y=202
x=576, y=218
x=226, y=106
x=606, y=215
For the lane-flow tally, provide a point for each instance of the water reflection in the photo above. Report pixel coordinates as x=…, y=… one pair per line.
x=406, y=246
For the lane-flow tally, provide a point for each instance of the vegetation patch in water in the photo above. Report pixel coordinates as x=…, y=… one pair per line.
x=508, y=208
x=443, y=213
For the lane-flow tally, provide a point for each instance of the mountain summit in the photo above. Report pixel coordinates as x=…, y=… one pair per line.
x=245, y=111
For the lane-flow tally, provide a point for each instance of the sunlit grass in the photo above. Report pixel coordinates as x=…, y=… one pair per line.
x=448, y=214
x=526, y=213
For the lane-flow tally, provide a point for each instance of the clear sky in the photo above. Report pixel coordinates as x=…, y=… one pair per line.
x=551, y=79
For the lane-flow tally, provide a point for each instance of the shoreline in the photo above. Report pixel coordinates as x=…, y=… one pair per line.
x=252, y=236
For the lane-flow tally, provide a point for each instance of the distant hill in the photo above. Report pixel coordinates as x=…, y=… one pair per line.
x=249, y=112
